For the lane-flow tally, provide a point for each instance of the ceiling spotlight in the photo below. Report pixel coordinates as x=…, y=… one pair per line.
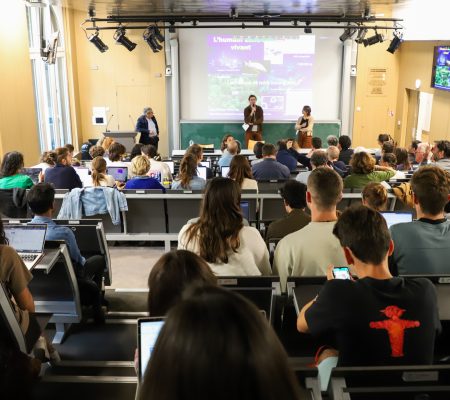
x=307, y=29
x=97, y=42
x=395, y=43
x=377, y=38
x=172, y=27
x=348, y=33
x=361, y=35
x=158, y=34
x=120, y=38
x=150, y=38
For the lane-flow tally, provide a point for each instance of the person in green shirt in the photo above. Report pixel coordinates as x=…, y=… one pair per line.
x=364, y=171
x=10, y=172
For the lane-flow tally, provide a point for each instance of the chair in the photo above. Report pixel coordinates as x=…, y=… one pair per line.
x=13, y=203
x=181, y=207
x=251, y=143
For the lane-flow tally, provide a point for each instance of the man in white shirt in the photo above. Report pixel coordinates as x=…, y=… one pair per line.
x=148, y=128
x=310, y=250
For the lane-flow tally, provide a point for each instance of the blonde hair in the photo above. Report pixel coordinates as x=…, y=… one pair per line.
x=140, y=165
x=98, y=170
x=106, y=142
x=375, y=196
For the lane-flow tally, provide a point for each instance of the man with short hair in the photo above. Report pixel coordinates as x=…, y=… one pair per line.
x=332, y=140
x=423, y=246
x=41, y=199
x=254, y=118
x=318, y=159
x=294, y=199
x=344, y=147
x=270, y=168
x=157, y=167
x=308, y=251
x=377, y=319
x=227, y=156
x=285, y=157
x=441, y=154
x=333, y=159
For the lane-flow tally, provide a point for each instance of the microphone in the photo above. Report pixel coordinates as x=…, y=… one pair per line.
x=109, y=120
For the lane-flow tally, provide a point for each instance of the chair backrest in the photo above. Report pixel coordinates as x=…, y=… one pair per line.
x=260, y=290
x=304, y=288
x=271, y=186
x=271, y=207
x=8, y=207
x=181, y=207
x=9, y=326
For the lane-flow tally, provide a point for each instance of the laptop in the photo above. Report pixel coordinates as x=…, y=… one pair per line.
x=33, y=173
x=224, y=171
x=28, y=241
x=201, y=172
x=206, y=164
x=245, y=210
x=85, y=175
x=148, y=331
x=397, y=217
x=118, y=173
x=171, y=166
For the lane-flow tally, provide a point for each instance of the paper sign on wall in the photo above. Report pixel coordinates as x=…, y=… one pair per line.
x=376, y=82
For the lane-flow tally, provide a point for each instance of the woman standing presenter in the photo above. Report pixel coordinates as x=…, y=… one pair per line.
x=304, y=127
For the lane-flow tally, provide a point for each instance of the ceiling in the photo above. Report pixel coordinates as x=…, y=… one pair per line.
x=338, y=8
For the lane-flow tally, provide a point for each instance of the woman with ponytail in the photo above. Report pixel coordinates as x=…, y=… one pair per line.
x=99, y=176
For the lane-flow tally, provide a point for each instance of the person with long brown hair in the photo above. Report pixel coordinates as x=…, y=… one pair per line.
x=241, y=172
x=99, y=175
x=187, y=177
x=403, y=163
x=220, y=237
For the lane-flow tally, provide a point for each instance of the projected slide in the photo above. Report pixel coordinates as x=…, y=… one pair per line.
x=277, y=69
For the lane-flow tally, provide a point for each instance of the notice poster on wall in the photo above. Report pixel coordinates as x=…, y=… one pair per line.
x=376, y=82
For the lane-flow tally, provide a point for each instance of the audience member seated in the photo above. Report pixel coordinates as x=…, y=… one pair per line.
x=412, y=151
x=156, y=167
x=227, y=156
x=423, y=154
x=285, y=157
x=220, y=237
x=294, y=199
x=318, y=159
x=187, y=177
x=441, y=154
x=403, y=163
x=387, y=147
x=332, y=140
x=377, y=319
x=47, y=160
x=225, y=141
x=333, y=159
x=316, y=145
x=216, y=345
x=96, y=151
x=364, y=171
x=197, y=151
x=63, y=175
x=84, y=151
x=241, y=172
x=423, y=246
x=136, y=151
x=116, y=152
x=270, y=168
x=390, y=161
x=382, y=138
x=105, y=142
x=11, y=177
x=75, y=160
x=257, y=149
x=99, y=175
x=310, y=250
x=171, y=275
x=294, y=149
x=374, y=196
x=140, y=167
x=41, y=199
x=345, y=151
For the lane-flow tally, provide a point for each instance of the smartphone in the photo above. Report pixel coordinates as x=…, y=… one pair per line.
x=341, y=273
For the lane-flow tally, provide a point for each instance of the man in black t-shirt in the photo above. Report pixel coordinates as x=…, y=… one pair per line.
x=377, y=319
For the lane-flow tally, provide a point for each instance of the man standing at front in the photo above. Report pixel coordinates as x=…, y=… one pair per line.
x=254, y=118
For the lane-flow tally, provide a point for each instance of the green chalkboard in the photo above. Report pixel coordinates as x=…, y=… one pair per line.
x=212, y=132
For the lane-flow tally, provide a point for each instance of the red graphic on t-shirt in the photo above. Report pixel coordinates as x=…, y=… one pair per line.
x=395, y=328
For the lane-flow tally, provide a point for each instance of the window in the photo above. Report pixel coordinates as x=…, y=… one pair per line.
x=49, y=80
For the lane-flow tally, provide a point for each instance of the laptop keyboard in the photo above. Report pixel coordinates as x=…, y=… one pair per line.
x=29, y=257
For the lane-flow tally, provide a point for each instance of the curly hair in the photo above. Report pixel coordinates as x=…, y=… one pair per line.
x=12, y=163
x=362, y=163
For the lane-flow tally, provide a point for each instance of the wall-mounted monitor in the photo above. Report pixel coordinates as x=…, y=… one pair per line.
x=441, y=68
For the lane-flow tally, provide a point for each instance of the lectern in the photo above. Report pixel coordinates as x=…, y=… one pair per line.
x=126, y=138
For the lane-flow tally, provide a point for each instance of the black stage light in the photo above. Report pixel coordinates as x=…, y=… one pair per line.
x=377, y=38
x=348, y=33
x=97, y=42
x=120, y=38
x=158, y=34
x=395, y=43
x=307, y=29
x=361, y=35
x=149, y=37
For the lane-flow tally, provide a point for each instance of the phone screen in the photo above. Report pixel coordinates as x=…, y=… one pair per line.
x=341, y=273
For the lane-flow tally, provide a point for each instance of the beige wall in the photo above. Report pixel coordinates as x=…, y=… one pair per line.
x=121, y=80
x=18, y=125
x=416, y=60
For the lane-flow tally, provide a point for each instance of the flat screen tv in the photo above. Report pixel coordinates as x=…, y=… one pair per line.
x=441, y=68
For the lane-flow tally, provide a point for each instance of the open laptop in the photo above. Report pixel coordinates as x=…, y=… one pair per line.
x=206, y=164
x=28, y=241
x=397, y=217
x=33, y=173
x=85, y=175
x=201, y=172
x=245, y=210
x=148, y=331
x=224, y=171
x=118, y=173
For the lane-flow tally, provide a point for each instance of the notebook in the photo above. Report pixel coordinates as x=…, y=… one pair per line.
x=201, y=172
x=224, y=171
x=28, y=241
x=33, y=173
x=148, y=331
x=397, y=217
x=118, y=173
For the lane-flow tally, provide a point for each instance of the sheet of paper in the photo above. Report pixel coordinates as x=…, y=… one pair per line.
x=245, y=126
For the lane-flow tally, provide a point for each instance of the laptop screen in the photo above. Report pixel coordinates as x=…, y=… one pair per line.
x=205, y=164
x=224, y=171
x=33, y=173
x=393, y=218
x=85, y=175
x=26, y=238
x=171, y=166
x=201, y=172
x=148, y=331
x=245, y=210
x=118, y=173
